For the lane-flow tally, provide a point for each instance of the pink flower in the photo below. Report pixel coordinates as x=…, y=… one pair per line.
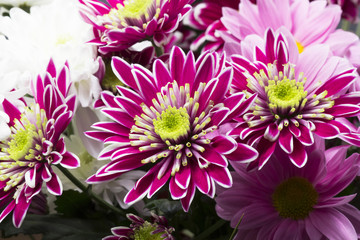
x=35, y=145
x=298, y=95
x=281, y=201
x=172, y=120
x=156, y=229
x=126, y=22
x=309, y=22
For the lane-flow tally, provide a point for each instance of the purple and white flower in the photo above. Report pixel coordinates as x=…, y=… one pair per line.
x=174, y=120
x=35, y=144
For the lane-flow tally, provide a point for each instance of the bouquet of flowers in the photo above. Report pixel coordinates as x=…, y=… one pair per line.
x=179, y=119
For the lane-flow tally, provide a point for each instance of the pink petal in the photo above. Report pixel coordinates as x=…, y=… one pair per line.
x=223, y=144
x=332, y=224
x=286, y=141
x=326, y=130
x=70, y=160
x=299, y=156
x=54, y=186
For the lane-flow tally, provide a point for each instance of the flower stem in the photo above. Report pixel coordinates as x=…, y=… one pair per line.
x=235, y=229
x=87, y=190
x=158, y=50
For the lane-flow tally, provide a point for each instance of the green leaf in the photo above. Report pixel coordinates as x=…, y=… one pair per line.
x=54, y=227
x=74, y=204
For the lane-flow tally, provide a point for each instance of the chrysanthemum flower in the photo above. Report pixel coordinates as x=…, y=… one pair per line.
x=126, y=22
x=281, y=201
x=173, y=119
x=296, y=98
x=156, y=229
x=55, y=30
x=310, y=23
x=35, y=144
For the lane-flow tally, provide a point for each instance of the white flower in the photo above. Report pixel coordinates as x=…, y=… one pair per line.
x=17, y=3
x=54, y=31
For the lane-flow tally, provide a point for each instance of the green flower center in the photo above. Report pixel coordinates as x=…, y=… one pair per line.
x=132, y=9
x=172, y=123
x=144, y=232
x=294, y=198
x=21, y=142
x=285, y=93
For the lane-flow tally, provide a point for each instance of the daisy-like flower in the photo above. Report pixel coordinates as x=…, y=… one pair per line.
x=298, y=95
x=123, y=23
x=56, y=31
x=17, y=3
x=174, y=119
x=156, y=229
x=35, y=145
x=281, y=201
x=309, y=22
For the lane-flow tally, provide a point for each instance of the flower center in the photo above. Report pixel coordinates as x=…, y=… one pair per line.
x=134, y=8
x=132, y=13
x=145, y=232
x=172, y=124
x=294, y=198
x=21, y=141
x=285, y=93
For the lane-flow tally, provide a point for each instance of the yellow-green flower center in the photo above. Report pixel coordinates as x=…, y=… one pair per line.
x=285, y=93
x=132, y=9
x=144, y=232
x=172, y=123
x=21, y=142
x=294, y=198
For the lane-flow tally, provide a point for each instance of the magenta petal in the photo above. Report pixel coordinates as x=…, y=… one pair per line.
x=186, y=201
x=54, y=186
x=162, y=75
x=177, y=59
x=205, y=71
x=306, y=137
x=7, y=210
x=336, y=84
x=99, y=179
x=272, y=132
x=299, y=156
x=224, y=144
x=158, y=183
x=145, y=85
x=326, y=130
x=286, y=141
x=200, y=178
x=220, y=174
x=213, y=157
x=46, y=174
x=129, y=106
x=243, y=153
x=343, y=110
x=176, y=191
x=189, y=69
x=141, y=188
x=123, y=71
x=182, y=178
x=265, y=149
x=11, y=110
x=20, y=211
x=70, y=160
